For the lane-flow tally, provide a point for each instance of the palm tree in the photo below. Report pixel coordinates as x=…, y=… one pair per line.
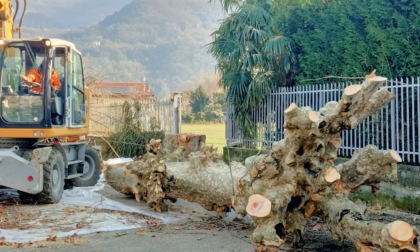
x=252, y=59
x=229, y=4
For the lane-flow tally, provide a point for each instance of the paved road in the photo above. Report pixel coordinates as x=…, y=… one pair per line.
x=181, y=240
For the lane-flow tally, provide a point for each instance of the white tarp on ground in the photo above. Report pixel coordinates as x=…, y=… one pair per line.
x=82, y=210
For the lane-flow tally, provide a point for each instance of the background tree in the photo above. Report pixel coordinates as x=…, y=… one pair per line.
x=198, y=99
x=251, y=58
x=351, y=38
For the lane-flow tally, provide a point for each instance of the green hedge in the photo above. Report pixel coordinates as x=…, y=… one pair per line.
x=351, y=38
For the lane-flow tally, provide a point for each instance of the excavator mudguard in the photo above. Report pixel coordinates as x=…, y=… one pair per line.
x=21, y=174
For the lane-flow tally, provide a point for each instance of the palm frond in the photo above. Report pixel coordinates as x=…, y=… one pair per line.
x=225, y=49
x=237, y=83
x=277, y=45
x=228, y=4
x=259, y=59
x=251, y=33
x=256, y=13
x=259, y=87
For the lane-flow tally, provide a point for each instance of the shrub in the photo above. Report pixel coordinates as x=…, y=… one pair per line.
x=131, y=142
x=188, y=117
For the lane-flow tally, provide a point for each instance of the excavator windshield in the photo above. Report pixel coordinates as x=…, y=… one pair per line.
x=21, y=100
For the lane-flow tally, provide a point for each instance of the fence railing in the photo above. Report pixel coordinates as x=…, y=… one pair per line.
x=106, y=115
x=396, y=126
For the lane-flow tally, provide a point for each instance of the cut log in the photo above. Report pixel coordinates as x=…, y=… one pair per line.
x=345, y=219
x=369, y=166
x=356, y=104
x=124, y=181
x=258, y=206
x=117, y=177
x=299, y=117
x=400, y=231
x=350, y=99
x=331, y=175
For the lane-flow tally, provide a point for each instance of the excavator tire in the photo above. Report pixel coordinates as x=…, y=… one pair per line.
x=92, y=165
x=27, y=198
x=53, y=179
x=53, y=186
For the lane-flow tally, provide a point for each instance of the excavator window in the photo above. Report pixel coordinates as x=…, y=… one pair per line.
x=12, y=65
x=58, y=101
x=23, y=99
x=17, y=106
x=78, y=100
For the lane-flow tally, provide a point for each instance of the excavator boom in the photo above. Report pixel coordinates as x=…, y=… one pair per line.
x=8, y=18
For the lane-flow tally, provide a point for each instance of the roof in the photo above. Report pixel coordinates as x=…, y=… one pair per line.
x=137, y=89
x=54, y=41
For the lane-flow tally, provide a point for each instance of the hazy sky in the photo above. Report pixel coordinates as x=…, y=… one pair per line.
x=82, y=13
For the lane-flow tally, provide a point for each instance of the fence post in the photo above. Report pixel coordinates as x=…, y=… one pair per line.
x=393, y=90
x=177, y=102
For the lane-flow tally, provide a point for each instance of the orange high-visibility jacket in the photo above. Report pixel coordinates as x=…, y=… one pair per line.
x=38, y=77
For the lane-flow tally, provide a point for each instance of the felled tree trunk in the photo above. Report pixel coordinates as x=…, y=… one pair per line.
x=203, y=179
x=209, y=185
x=296, y=180
x=345, y=219
x=146, y=178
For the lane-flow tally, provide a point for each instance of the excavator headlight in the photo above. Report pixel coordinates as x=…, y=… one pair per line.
x=1, y=42
x=47, y=42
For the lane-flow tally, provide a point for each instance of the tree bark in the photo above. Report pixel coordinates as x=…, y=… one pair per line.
x=369, y=166
x=200, y=179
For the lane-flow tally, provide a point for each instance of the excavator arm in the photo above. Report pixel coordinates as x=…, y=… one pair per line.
x=8, y=18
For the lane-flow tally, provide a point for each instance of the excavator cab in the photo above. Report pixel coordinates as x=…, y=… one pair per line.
x=38, y=104
x=44, y=123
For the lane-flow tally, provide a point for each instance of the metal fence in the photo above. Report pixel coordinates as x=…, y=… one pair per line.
x=106, y=115
x=396, y=126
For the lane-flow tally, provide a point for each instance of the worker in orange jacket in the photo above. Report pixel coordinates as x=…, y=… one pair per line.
x=37, y=75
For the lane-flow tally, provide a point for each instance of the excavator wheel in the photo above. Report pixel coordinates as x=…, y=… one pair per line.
x=53, y=179
x=27, y=198
x=53, y=186
x=91, y=169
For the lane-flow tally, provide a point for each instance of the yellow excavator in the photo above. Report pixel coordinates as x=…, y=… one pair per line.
x=43, y=135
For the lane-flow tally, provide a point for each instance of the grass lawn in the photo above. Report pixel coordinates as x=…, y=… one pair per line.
x=215, y=133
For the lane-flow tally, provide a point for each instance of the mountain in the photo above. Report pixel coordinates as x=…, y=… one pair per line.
x=162, y=42
x=66, y=14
